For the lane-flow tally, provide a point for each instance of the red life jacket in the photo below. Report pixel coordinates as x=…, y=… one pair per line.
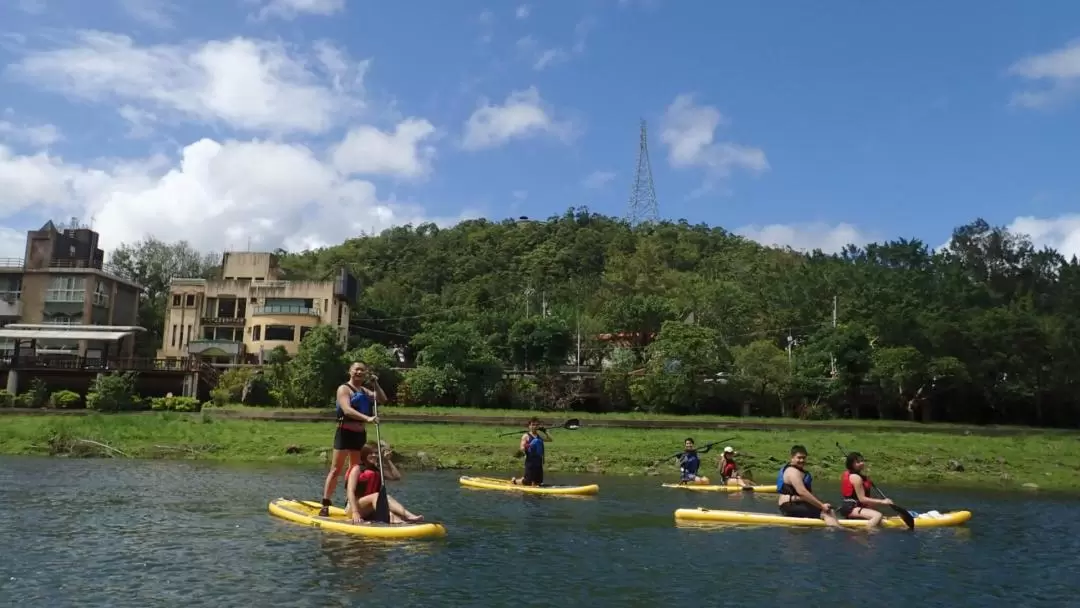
x=368, y=483
x=728, y=469
x=847, y=489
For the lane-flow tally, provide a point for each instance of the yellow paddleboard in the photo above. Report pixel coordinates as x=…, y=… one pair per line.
x=493, y=483
x=307, y=513
x=699, y=487
x=923, y=520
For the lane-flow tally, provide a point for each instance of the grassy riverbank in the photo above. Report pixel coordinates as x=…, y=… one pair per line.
x=1051, y=461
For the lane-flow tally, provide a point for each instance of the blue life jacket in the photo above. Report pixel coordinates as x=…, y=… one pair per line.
x=534, y=450
x=783, y=487
x=689, y=463
x=360, y=402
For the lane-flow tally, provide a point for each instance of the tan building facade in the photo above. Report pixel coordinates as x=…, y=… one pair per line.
x=62, y=280
x=250, y=310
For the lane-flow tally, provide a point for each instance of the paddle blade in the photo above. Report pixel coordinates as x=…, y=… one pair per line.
x=382, y=507
x=572, y=424
x=905, y=515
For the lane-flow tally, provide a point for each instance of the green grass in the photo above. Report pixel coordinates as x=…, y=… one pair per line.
x=1050, y=461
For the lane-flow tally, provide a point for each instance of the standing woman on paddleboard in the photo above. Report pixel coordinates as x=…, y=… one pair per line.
x=354, y=409
x=855, y=490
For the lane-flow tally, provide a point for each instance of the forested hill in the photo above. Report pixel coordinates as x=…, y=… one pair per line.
x=983, y=331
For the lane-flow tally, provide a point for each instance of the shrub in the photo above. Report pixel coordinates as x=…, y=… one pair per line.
x=65, y=400
x=175, y=404
x=230, y=386
x=113, y=393
x=431, y=386
x=37, y=395
x=6, y=399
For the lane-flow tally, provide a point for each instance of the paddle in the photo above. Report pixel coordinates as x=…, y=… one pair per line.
x=704, y=448
x=904, y=514
x=572, y=424
x=382, y=503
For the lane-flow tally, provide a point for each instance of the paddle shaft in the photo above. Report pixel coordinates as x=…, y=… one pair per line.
x=566, y=425
x=382, y=503
x=706, y=447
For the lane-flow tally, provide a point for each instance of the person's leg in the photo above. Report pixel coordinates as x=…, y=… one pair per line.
x=398, y=509
x=337, y=464
x=875, y=517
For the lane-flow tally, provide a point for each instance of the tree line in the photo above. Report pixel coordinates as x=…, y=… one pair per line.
x=680, y=318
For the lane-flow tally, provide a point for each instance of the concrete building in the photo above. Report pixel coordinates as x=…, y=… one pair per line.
x=59, y=288
x=250, y=309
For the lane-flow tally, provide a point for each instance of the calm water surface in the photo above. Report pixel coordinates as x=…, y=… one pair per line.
x=154, y=533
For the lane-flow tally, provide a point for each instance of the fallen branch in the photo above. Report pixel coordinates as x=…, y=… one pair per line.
x=103, y=446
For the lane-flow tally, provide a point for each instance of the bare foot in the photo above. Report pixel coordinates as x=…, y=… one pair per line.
x=413, y=518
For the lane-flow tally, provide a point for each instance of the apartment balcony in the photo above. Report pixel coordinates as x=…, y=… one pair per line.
x=10, y=303
x=223, y=321
x=215, y=348
x=285, y=310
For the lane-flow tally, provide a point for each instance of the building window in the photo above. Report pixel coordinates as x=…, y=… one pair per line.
x=256, y=333
x=226, y=308
x=303, y=332
x=284, y=333
x=66, y=289
x=101, y=295
x=190, y=302
x=188, y=341
x=176, y=299
x=174, y=335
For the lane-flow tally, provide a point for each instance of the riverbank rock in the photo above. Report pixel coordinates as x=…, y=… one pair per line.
x=651, y=472
x=956, y=465
x=594, y=467
x=923, y=460
x=293, y=449
x=1030, y=486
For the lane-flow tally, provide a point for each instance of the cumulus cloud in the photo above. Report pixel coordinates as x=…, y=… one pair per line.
x=246, y=84
x=807, y=237
x=524, y=114
x=522, y=11
x=215, y=195
x=12, y=243
x=290, y=9
x=689, y=132
x=1061, y=233
x=598, y=179
x=38, y=136
x=1058, y=69
x=155, y=13
x=402, y=153
x=543, y=57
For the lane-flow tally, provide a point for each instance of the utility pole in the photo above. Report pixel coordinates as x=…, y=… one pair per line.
x=528, y=296
x=832, y=356
x=579, y=342
x=642, y=205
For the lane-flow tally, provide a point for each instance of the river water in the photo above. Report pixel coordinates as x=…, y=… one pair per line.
x=159, y=533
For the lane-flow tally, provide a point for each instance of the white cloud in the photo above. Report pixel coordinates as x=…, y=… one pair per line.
x=807, y=237
x=216, y=195
x=524, y=114
x=1059, y=68
x=34, y=7
x=522, y=12
x=1062, y=233
x=290, y=9
x=689, y=131
x=12, y=243
x=543, y=58
x=403, y=153
x=598, y=179
x=38, y=136
x=246, y=84
x=155, y=13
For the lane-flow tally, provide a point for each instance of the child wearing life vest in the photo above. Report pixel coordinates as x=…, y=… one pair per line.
x=855, y=488
x=729, y=469
x=532, y=445
x=689, y=463
x=364, y=482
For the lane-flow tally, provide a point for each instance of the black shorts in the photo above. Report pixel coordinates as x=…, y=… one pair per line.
x=345, y=439
x=846, y=507
x=800, y=509
x=534, y=475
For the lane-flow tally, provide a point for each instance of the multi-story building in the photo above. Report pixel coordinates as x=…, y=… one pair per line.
x=62, y=281
x=250, y=309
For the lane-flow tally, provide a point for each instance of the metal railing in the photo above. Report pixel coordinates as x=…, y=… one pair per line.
x=286, y=310
x=11, y=262
x=96, y=363
x=72, y=263
x=65, y=295
x=10, y=295
x=222, y=320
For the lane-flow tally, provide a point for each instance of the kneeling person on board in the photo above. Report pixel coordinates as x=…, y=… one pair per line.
x=689, y=462
x=364, y=483
x=855, y=491
x=794, y=483
x=729, y=469
x=532, y=444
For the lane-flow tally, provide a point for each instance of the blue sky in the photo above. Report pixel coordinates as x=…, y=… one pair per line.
x=303, y=122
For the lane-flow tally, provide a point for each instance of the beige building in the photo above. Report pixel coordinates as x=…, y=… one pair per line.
x=59, y=287
x=250, y=309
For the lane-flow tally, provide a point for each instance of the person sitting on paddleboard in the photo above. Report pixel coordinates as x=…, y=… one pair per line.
x=354, y=408
x=690, y=462
x=532, y=444
x=729, y=469
x=855, y=491
x=794, y=484
x=362, y=488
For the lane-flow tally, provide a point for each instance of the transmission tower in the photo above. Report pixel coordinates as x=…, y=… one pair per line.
x=643, y=195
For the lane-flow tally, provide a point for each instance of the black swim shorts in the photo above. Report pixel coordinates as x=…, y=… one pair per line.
x=800, y=509
x=345, y=439
x=534, y=475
